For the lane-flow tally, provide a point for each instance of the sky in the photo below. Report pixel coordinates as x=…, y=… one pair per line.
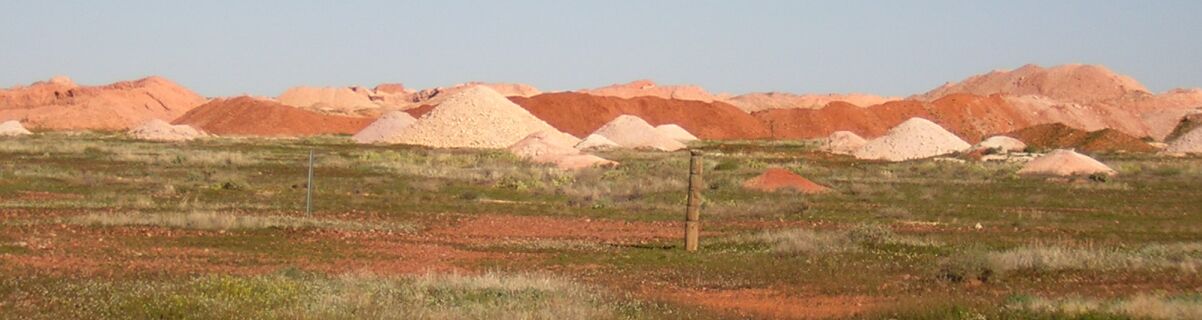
x=220, y=48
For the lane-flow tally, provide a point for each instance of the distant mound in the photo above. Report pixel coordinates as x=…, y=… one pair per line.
x=647, y=88
x=60, y=104
x=1191, y=142
x=329, y=100
x=631, y=132
x=753, y=102
x=384, y=128
x=159, y=130
x=12, y=128
x=676, y=133
x=914, y=139
x=1071, y=82
x=1001, y=143
x=581, y=114
x=1060, y=136
x=776, y=179
x=1065, y=163
x=476, y=117
x=843, y=142
x=1186, y=125
x=246, y=116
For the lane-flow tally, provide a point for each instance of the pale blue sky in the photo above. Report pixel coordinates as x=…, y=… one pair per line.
x=884, y=47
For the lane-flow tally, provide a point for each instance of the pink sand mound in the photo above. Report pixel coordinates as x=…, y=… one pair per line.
x=556, y=148
x=596, y=142
x=676, y=133
x=1063, y=162
x=1001, y=143
x=60, y=104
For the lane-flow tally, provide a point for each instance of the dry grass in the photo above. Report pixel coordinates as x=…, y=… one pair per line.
x=205, y=220
x=1183, y=257
x=487, y=296
x=802, y=241
x=1139, y=306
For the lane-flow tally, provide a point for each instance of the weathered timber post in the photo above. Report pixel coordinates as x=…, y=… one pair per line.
x=309, y=188
x=692, y=217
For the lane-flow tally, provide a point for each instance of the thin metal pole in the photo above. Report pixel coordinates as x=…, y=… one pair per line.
x=309, y=188
x=692, y=218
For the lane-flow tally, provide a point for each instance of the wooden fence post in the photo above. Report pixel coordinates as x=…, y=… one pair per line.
x=692, y=219
x=309, y=188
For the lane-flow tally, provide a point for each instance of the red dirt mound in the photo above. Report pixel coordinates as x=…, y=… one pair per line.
x=776, y=179
x=580, y=114
x=1069, y=82
x=60, y=104
x=1060, y=136
x=256, y=117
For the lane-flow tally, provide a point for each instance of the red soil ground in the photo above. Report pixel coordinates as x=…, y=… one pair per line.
x=580, y=114
x=775, y=179
x=256, y=117
x=1058, y=136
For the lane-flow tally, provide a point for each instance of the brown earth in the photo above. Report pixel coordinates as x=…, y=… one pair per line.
x=580, y=114
x=60, y=104
x=1060, y=136
x=257, y=117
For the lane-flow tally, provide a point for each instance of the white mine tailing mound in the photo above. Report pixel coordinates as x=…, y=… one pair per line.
x=676, y=133
x=476, y=117
x=844, y=142
x=1187, y=143
x=556, y=148
x=632, y=132
x=914, y=139
x=1065, y=163
x=385, y=128
x=13, y=128
x=1002, y=143
x=597, y=142
x=159, y=130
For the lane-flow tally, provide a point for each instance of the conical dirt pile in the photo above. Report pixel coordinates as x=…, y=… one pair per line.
x=247, y=116
x=1189, y=143
x=676, y=133
x=1065, y=163
x=776, y=179
x=385, y=128
x=914, y=139
x=476, y=117
x=159, y=130
x=329, y=100
x=556, y=148
x=843, y=142
x=13, y=128
x=60, y=104
x=596, y=142
x=632, y=132
x=1001, y=143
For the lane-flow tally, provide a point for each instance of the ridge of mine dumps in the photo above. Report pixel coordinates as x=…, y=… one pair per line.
x=1064, y=162
x=915, y=138
x=1060, y=136
x=580, y=114
x=632, y=132
x=61, y=104
x=778, y=179
x=12, y=128
x=159, y=130
x=248, y=116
